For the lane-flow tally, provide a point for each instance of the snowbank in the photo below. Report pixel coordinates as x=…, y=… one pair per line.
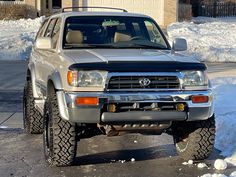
x=208, y=39
x=17, y=37
x=225, y=104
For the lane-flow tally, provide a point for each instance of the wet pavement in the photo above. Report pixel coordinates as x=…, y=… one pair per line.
x=21, y=155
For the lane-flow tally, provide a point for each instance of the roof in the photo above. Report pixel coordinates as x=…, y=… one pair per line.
x=93, y=13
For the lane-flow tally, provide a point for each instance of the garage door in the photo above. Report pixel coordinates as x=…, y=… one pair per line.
x=153, y=8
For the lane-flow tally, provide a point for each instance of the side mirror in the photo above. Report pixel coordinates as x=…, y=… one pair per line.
x=179, y=44
x=44, y=43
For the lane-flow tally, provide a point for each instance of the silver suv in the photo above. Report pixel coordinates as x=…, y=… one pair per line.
x=112, y=73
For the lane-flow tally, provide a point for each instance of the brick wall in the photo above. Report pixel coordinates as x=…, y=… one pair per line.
x=13, y=11
x=31, y=8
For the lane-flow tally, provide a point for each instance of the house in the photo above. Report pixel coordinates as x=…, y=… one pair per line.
x=163, y=11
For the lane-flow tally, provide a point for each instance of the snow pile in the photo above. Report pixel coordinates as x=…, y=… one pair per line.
x=233, y=174
x=225, y=104
x=17, y=38
x=208, y=39
x=202, y=165
x=190, y=162
x=220, y=164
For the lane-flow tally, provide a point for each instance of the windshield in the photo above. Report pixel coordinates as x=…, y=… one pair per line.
x=112, y=32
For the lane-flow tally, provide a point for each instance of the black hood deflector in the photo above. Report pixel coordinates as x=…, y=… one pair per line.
x=148, y=66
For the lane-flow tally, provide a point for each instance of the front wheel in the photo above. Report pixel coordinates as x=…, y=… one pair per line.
x=33, y=120
x=59, y=135
x=194, y=140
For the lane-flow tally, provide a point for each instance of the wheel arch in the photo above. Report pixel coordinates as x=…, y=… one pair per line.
x=31, y=75
x=54, y=83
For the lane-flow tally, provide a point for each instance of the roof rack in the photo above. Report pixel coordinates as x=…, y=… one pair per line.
x=87, y=7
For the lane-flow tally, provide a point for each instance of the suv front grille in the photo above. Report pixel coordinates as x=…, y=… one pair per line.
x=133, y=82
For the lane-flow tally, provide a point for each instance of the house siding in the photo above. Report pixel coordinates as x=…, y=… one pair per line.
x=170, y=11
x=163, y=11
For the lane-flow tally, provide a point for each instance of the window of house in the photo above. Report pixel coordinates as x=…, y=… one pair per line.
x=56, y=4
x=47, y=4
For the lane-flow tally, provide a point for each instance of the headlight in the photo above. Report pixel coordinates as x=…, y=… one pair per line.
x=92, y=78
x=194, y=78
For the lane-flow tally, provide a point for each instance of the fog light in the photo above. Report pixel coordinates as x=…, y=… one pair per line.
x=200, y=99
x=111, y=108
x=180, y=107
x=86, y=101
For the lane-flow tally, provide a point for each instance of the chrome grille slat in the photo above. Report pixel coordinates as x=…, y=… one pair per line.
x=132, y=82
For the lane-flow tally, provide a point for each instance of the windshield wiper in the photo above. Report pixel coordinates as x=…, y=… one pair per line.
x=148, y=46
x=91, y=46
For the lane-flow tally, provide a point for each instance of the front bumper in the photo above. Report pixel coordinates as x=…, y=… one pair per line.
x=94, y=114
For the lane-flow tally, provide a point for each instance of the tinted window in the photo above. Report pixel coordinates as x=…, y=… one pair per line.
x=48, y=32
x=154, y=33
x=42, y=28
x=112, y=32
x=56, y=32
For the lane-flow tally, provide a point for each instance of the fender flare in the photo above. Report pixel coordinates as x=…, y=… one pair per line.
x=31, y=69
x=56, y=80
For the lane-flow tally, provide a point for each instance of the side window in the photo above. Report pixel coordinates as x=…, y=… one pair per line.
x=55, y=33
x=154, y=33
x=41, y=30
x=48, y=32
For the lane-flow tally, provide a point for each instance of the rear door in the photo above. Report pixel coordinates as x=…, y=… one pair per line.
x=35, y=57
x=42, y=56
x=47, y=65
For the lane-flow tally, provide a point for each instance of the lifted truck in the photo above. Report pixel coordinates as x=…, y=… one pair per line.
x=112, y=73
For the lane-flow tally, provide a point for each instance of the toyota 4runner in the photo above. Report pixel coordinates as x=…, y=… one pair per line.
x=112, y=73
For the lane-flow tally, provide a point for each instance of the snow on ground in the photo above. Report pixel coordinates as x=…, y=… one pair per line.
x=17, y=37
x=208, y=39
x=225, y=110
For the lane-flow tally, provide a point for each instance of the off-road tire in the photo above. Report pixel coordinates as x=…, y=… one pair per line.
x=60, y=140
x=194, y=140
x=33, y=120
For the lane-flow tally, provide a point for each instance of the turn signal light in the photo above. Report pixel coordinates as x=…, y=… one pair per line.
x=86, y=101
x=72, y=78
x=200, y=99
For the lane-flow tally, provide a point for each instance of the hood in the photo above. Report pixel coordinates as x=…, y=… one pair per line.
x=125, y=55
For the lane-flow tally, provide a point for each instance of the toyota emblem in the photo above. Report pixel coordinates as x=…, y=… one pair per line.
x=144, y=82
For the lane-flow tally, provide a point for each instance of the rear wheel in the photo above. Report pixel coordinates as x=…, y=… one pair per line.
x=194, y=140
x=60, y=142
x=33, y=120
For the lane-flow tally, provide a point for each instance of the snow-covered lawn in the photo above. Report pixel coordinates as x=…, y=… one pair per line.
x=17, y=37
x=208, y=39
